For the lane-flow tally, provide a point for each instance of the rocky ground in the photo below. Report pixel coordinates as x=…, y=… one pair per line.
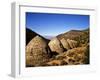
x=70, y=48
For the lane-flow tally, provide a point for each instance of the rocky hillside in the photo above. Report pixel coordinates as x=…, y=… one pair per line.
x=70, y=48
x=82, y=36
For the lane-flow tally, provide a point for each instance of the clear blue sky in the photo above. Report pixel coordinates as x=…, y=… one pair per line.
x=54, y=24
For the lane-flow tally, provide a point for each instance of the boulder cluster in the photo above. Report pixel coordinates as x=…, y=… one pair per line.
x=57, y=51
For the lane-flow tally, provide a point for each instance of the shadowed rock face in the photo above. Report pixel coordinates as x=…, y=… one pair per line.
x=31, y=34
x=36, y=51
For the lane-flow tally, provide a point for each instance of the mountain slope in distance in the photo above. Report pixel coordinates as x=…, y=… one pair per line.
x=78, y=35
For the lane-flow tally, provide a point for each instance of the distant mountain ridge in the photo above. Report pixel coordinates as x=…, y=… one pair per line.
x=49, y=37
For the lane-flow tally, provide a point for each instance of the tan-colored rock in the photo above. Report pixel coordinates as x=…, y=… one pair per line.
x=37, y=49
x=55, y=46
x=54, y=63
x=65, y=44
x=29, y=61
x=72, y=43
x=74, y=56
x=68, y=44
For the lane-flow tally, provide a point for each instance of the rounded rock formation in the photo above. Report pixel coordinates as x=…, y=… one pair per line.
x=55, y=46
x=36, y=52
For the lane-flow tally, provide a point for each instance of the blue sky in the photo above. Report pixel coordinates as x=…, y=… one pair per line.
x=47, y=24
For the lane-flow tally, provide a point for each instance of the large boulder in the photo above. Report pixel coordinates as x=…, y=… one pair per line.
x=55, y=46
x=37, y=52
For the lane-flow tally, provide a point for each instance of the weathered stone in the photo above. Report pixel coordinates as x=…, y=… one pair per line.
x=74, y=56
x=65, y=44
x=68, y=44
x=54, y=63
x=72, y=43
x=55, y=46
x=29, y=61
x=37, y=49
